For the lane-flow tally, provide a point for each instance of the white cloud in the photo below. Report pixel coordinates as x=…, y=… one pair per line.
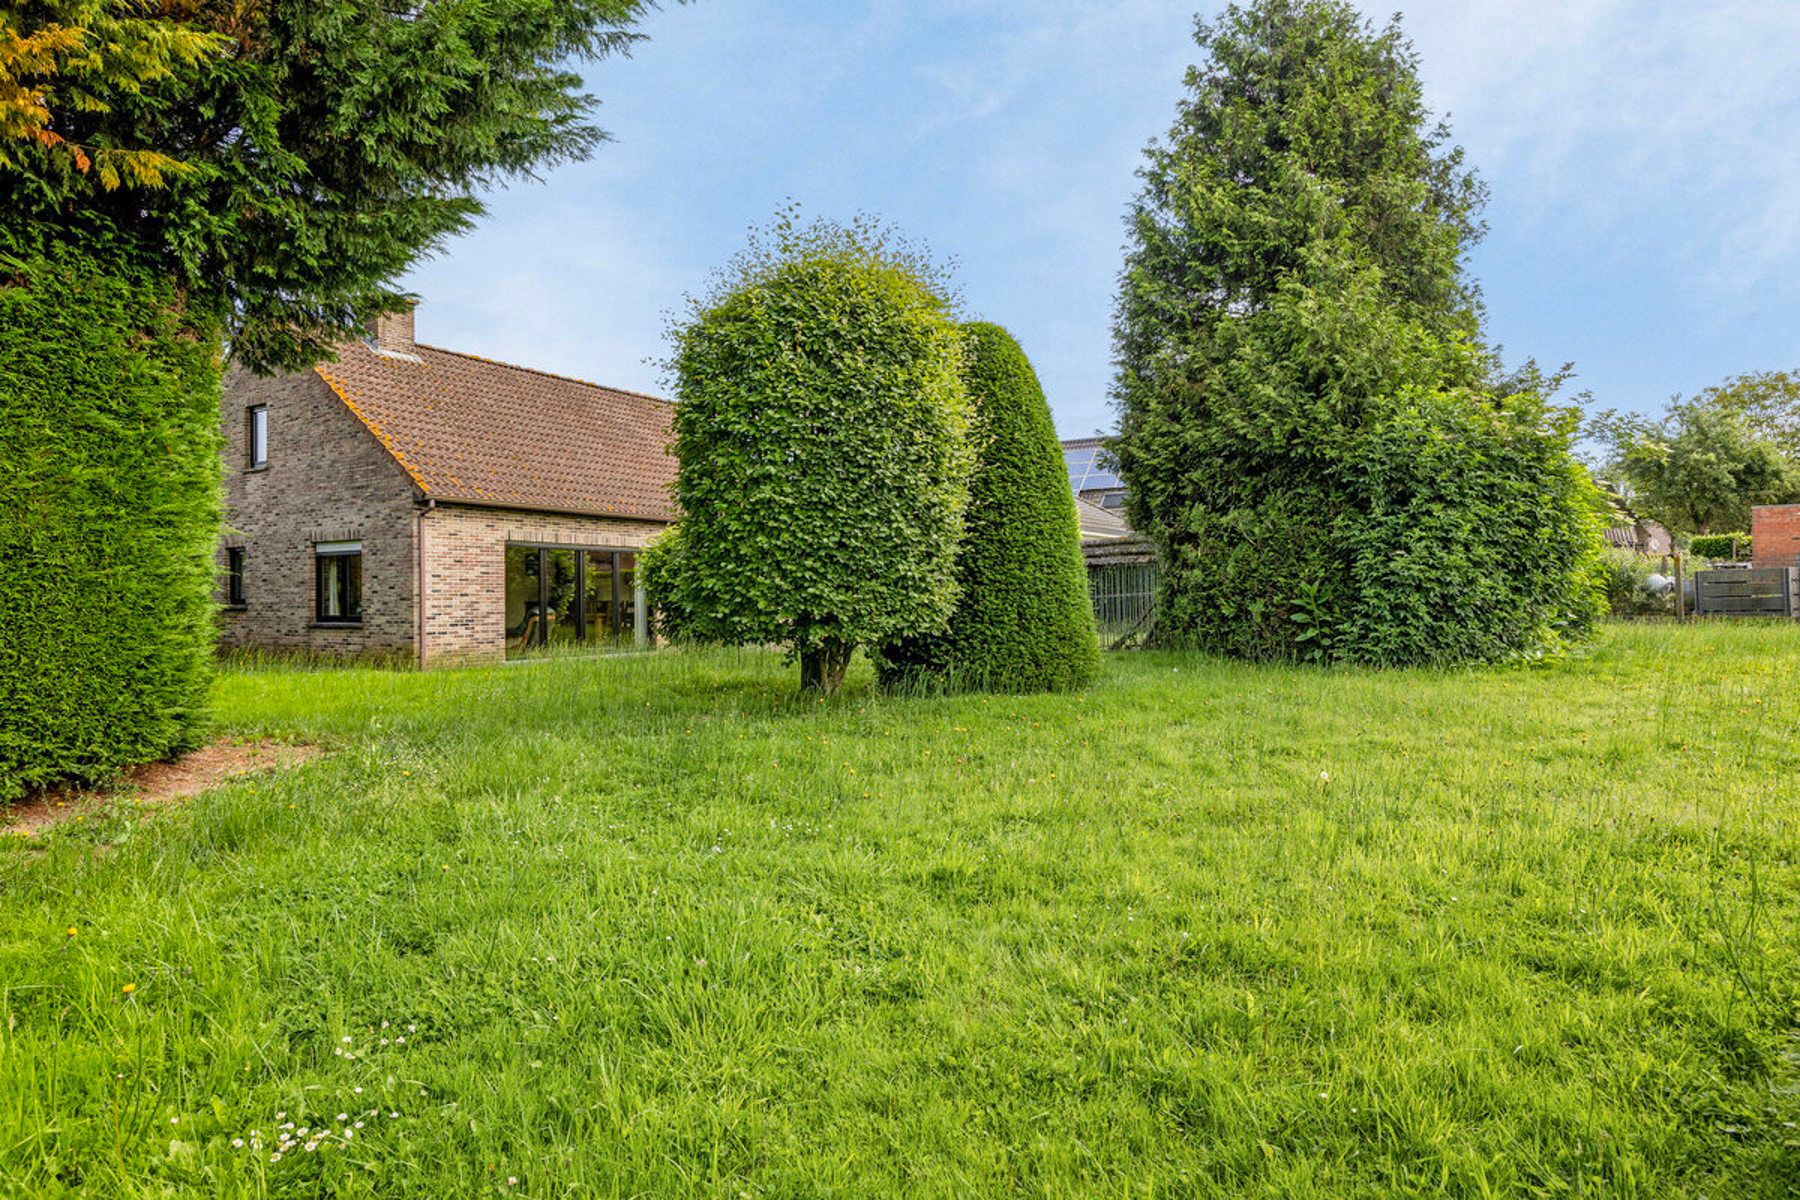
x=576, y=288
x=1632, y=145
x=1612, y=111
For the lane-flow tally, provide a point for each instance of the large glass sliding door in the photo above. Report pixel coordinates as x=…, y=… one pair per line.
x=625, y=571
x=561, y=567
x=525, y=604
x=602, y=593
x=557, y=596
x=611, y=592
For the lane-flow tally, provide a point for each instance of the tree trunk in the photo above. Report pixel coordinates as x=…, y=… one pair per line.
x=822, y=667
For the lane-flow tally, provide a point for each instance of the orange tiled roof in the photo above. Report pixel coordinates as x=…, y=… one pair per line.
x=475, y=431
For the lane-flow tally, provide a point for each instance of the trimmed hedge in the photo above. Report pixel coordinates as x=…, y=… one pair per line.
x=822, y=432
x=1723, y=546
x=1023, y=621
x=1452, y=528
x=109, y=517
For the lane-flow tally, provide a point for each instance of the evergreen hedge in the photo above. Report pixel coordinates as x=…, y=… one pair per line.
x=109, y=516
x=1023, y=621
x=1722, y=546
x=1473, y=534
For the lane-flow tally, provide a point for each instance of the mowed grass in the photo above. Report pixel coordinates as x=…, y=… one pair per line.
x=659, y=927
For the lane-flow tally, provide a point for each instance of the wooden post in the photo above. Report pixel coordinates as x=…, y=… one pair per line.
x=1680, y=591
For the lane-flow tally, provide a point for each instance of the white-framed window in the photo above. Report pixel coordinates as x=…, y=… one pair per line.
x=259, y=436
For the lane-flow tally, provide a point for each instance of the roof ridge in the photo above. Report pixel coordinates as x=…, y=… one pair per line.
x=470, y=435
x=604, y=387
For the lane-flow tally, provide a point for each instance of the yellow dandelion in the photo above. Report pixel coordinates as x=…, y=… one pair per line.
x=129, y=988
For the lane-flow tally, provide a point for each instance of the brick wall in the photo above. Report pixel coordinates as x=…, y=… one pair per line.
x=465, y=570
x=327, y=479
x=1775, y=535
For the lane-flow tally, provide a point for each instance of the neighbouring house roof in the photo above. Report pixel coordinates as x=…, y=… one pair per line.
x=1086, y=460
x=1625, y=530
x=1100, y=524
x=473, y=431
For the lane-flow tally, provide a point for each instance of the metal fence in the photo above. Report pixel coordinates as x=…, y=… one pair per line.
x=1124, y=597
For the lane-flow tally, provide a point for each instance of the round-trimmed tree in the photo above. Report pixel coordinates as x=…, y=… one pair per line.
x=1023, y=620
x=822, y=433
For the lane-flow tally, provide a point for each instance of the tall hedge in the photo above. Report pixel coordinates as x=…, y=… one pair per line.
x=822, y=433
x=1023, y=620
x=109, y=515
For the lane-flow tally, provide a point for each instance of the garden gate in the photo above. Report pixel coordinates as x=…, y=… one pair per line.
x=1124, y=596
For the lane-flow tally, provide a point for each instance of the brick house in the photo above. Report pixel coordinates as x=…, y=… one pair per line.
x=1775, y=535
x=414, y=502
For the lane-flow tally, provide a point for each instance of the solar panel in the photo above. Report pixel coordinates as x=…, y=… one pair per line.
x=1077, y=461
x=1086, y=470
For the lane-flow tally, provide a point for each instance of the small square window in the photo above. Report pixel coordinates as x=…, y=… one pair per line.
x=234, y=576
x=338, y=575
x=259, y=436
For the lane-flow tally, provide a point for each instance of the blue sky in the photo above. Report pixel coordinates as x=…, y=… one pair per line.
x=1644, y=157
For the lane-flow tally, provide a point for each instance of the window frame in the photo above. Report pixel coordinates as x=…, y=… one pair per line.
x=589, y=630
x=255, y=416
x=330, y=552
x=234, y=577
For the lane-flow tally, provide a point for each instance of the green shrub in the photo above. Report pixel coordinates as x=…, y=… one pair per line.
x=1023, y=621
x=1726, y=547
x=823, y=439
x=109, y=516
x=658, y=565
x=1624, y=578
x=1471, y=533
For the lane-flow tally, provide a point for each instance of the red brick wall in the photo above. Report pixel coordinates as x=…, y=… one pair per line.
x=1775, y=535
x=327, y=480
x=465, y=570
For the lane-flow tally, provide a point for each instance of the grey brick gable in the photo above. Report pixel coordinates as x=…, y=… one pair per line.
x=327, y=479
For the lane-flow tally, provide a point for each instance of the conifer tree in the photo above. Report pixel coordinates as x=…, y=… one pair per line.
x=282, y=162
x=1312, y=431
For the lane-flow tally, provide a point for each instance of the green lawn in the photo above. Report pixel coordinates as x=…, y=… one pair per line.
x=658, y=927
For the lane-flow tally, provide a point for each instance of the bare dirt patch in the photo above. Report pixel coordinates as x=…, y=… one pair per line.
x=159, y=782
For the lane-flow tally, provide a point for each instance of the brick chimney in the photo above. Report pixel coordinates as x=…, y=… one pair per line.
x=393, y=334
